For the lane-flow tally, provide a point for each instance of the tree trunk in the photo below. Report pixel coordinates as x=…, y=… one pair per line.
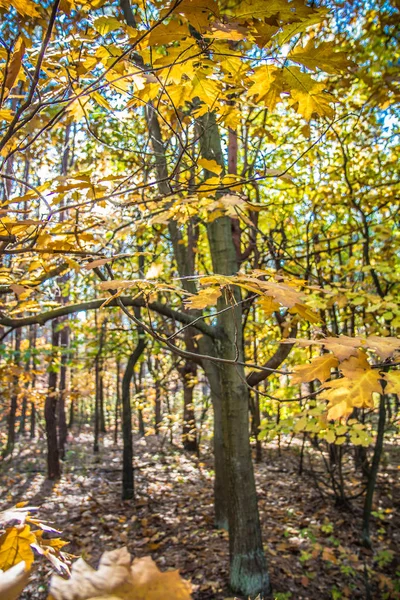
x=62, y=421
x=189, y=430
x=64, y=334
x=255, y=423
x=98, y=375
x=128, y=489
x=32, y=432
x=117, y=401
x=28, y=383
x=14, y=397
x=249, y=573
x=248, y=566
x=50, y=411
x=33, y=383
x=157, y=407
x=142, y=430
x=96, y=405
x=373, y=473
x=71, y=419
x=103, y=428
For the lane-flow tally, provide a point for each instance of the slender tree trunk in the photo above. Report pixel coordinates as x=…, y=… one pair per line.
x=139, y=395
x=32, y=428
x=96, y=405
x=64, y=334
x=33, y=384
x=71, y=420
x=14, y=397
x=128, y=489
x=103, y=428
x=28, y=383
x=255, y=424
x=117, y=400
x=62, y=421
x=157, y=405
x=248, y=567
x=50, y=411
x=98, y=374
x=189, y=430
x=373, y=473
x=142, y=430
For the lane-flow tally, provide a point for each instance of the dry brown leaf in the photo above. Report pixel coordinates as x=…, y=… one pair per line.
x=14, y=66
x=13, y=581
x=117, y=579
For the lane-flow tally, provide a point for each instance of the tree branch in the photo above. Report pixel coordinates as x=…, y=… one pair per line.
x=61, y=311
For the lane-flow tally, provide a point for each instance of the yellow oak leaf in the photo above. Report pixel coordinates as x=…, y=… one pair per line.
x=24, y=7
x=343, y=346
x=313, y=102
x=283, y=293
x=392, y=382
x=205, y=88
x=264, y=33
x=286, y=12
x=339, y=410
x=324, y=57
x=267, y=86
x=306, y=93
x=319, y=368
x=268, y=305
x=305, y=312
x=210, y=165
x=262, y=79
x=198, y=13
x=228, y=31
x=15, y=547
x=106, y=24
x=345, y=394
x=166, y=33
x=206, y=297
x=385, y=347
x=354, y=366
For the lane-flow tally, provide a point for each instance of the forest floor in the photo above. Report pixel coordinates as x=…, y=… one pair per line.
x=312, y=546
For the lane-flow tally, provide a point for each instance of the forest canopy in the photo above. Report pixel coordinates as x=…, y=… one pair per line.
x=200, y=257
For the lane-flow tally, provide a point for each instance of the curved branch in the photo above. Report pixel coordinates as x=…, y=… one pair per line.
x=61, y=311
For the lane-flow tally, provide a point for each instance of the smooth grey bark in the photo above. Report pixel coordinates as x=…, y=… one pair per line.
x=248, y=566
